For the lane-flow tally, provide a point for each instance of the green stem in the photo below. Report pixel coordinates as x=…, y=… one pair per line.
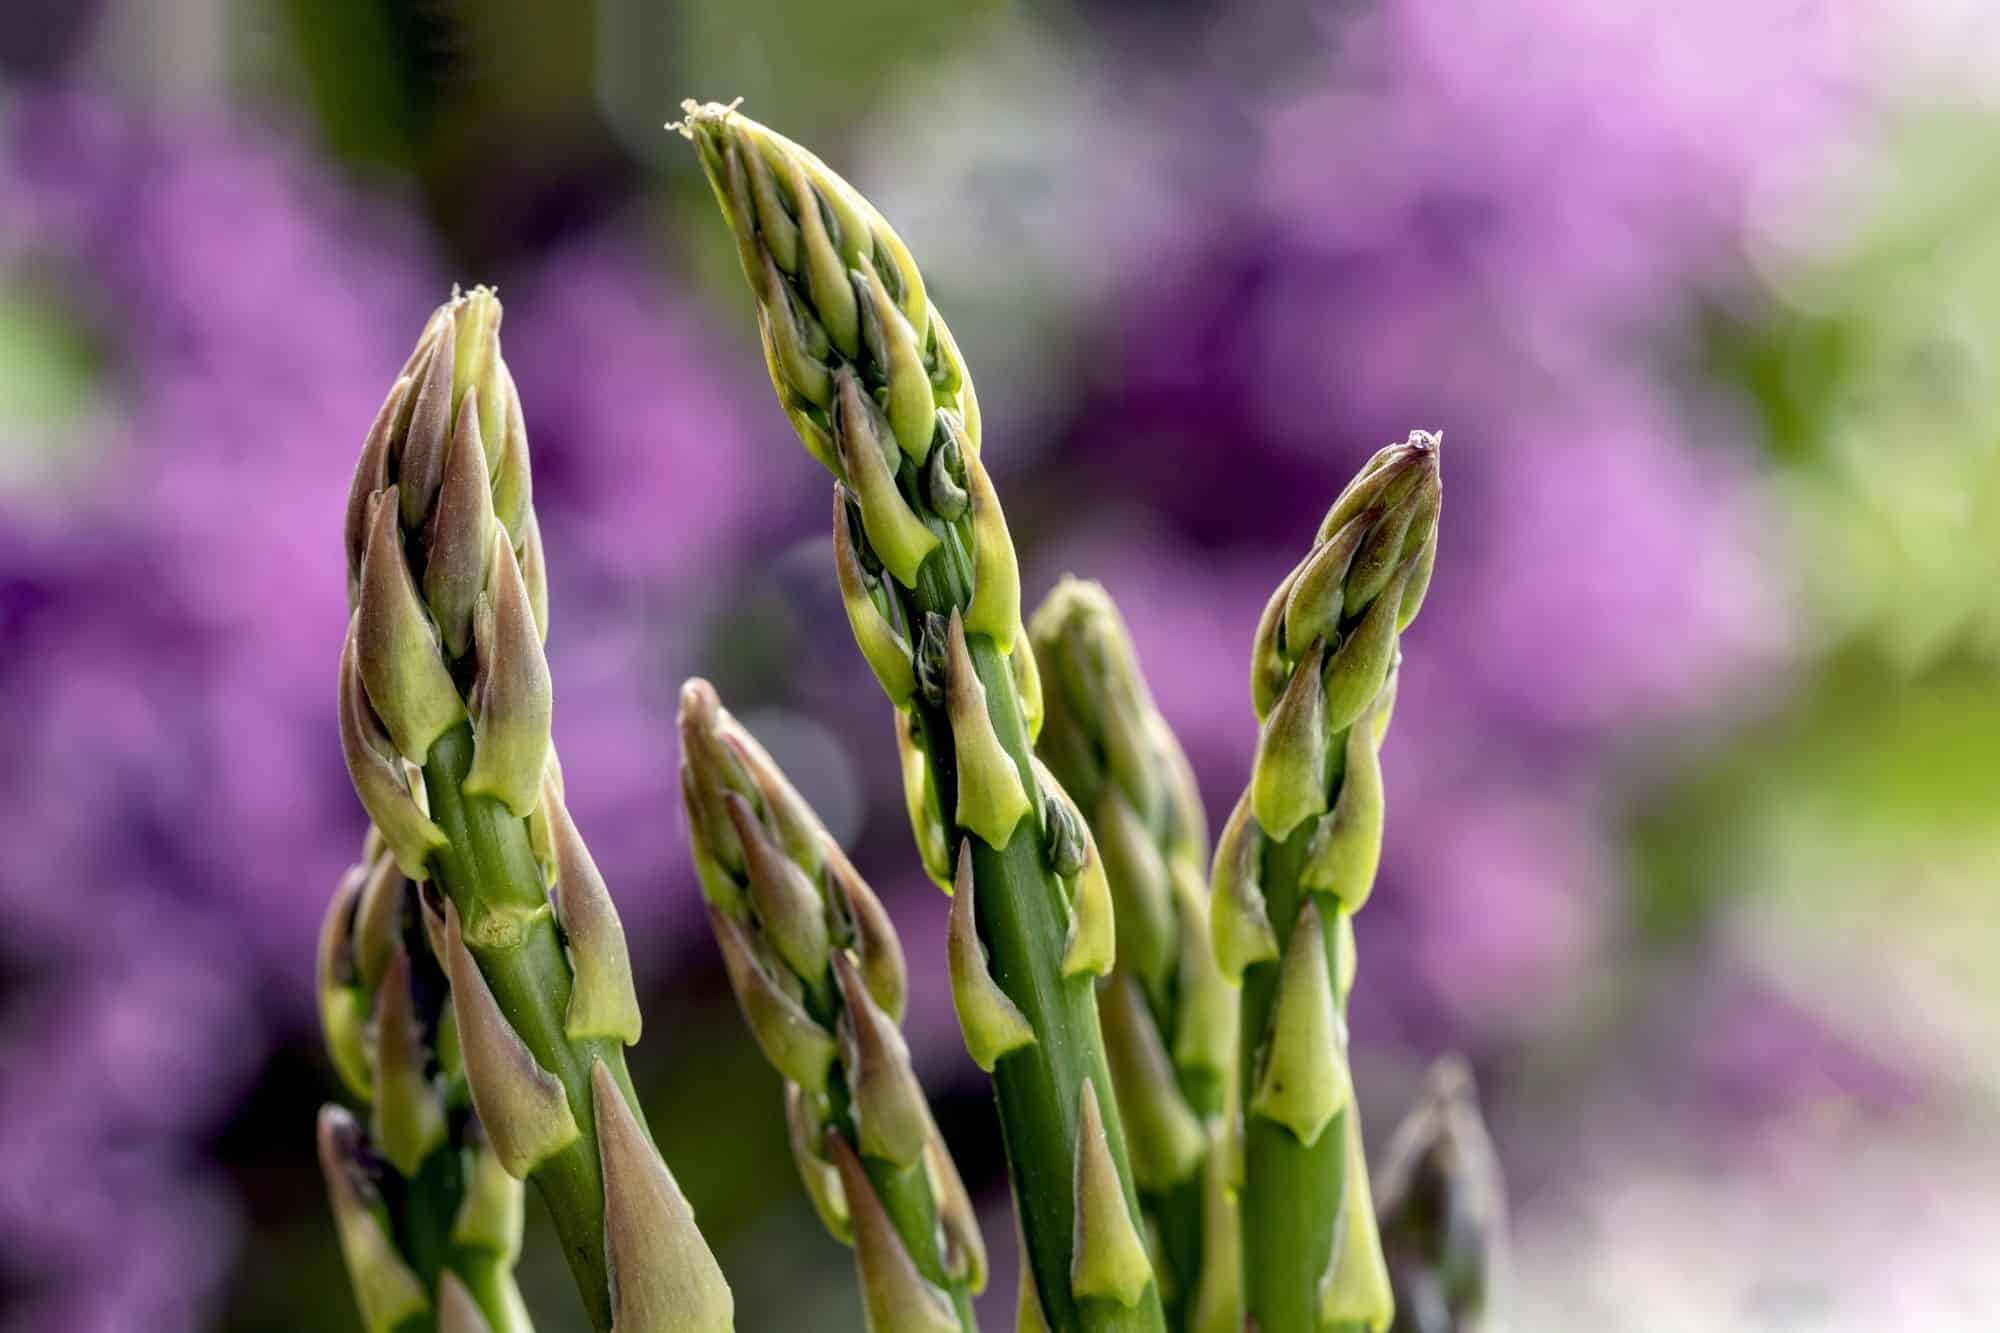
x=430, y=1202
x=905, y=1193
x=490, y=1279
x=488, y=868
x=1023, y=918
x=1177, y=1212
x=1292, y=1192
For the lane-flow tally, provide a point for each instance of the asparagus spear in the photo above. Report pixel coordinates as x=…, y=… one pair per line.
x=818, y=971
x=444, y=713
x=1443, y=1210
x=1169, y=1016
x=428, y=1221
x=1296, y=859
x=870, y=378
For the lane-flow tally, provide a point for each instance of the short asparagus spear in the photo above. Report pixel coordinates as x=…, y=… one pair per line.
x=872, y=382
x=818, y=971
x=428, y=1221
x=1169, y=1016
x=1443, y=1211
x=1296, y=859
x=444, y=713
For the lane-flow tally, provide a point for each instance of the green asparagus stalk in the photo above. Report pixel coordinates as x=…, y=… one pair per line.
x=429, y=1223
x=445, y=712
x=870, y=378
x=1443, y=1211
x=818, y=970
x=1295, y=861
x=1169, y=1016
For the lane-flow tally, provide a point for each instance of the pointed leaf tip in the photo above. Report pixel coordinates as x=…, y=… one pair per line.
x=1304, y=1081
x=378, y=776
x=513, y=697
x=995, y=608
x=1288, y=779
x=992, y=1024
x=521, y=1105
x=602, y=1001
x=796, y=1046
x=1356, y=1289
x=991, y=798
x=897, y=1297
x=385, y=1288
x=1239, y=922
x=892, y=1119
x=663, y=1277
x=788, y=904
x=1109, y=1260
x=397, y=651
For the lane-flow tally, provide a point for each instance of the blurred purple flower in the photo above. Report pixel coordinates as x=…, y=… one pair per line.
x=172, y=794
x=1499, y=224
x=649, y=484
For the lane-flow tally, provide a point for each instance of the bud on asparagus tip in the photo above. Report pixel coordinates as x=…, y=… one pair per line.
x=513, y=699
x=788, y=904
x=891, y=1117
x=796, y=1046
x=875, y=942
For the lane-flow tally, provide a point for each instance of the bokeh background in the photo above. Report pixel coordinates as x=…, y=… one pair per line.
x=1695, y=828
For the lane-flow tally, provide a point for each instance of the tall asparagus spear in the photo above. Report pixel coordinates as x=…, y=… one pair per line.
x=1443, y=1211
x=873, y=384
x=1169, y=1016
x=429, y=1223
x=444, y=715
x=1295, y=861
x=818, y=971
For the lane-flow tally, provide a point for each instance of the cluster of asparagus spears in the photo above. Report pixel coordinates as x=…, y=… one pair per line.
x=1165, y=1032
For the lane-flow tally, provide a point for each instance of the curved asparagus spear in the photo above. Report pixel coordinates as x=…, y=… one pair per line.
x=1295, y=861
x=1443, y=1211
x=875, y=388
x=444, y=713
x=1169, y=1016
x=428, y=1221
x=818, y=971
